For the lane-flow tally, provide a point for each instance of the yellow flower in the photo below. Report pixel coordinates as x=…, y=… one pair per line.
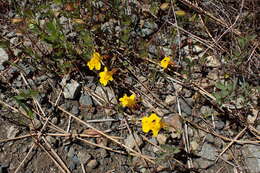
x=128, y=101
x=153, y=122
x=95, y=61
x=105, y=76
x=165, y=62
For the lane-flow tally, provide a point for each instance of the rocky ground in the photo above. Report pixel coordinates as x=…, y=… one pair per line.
x=56, y=116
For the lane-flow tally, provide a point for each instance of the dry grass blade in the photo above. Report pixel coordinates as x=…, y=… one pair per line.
x=100, y=146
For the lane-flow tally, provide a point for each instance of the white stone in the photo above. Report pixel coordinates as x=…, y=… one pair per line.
x=12, y=132
x=3, y=57
x=71, y=89
x=212, y=61
x=130, y=141
x=170, y=99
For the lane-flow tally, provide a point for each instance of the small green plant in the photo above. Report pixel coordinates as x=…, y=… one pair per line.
x=225, y=92
x=22, y=98
x=169, y=152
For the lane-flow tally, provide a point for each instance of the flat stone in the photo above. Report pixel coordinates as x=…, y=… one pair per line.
x=130, y=142
x=51, y=140
x=3, y=58
x=184, y=105
x=12, y=132
x=167, y=51
x=84, y=156
x=161, y=139
x=219, y=124
x=75, y=109
x=252, y=157
x=71, y=90
x=85, y=100
x=208, y=155
x=107, y=94
x=212, y=61
x=92, y=164
x=208, y=152
x=194, y=145
x=205, y=110
x=170, y=99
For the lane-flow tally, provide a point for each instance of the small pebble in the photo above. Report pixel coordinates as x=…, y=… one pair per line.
x=161, y=139
x=92, y=164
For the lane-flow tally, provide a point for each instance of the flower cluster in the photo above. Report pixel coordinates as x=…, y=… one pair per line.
x=153, y=123
x=95, y=63
x=149, y=123
x=128, y=101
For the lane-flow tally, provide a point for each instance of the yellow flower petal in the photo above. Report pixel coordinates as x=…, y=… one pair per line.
x=145, y=124
x=165, y=62
x=128, y=101
x=153, y=123
x=95, y=61
x=105, y=76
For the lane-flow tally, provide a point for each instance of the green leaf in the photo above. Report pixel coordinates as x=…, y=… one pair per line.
x=25, y=108
x=4, y=44
x=221, y=86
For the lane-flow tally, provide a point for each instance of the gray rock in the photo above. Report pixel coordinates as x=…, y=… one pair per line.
x=161, y=138
x=177, y=87
x=208, y=155
x=185, y=106
x=85, y=100
x=212, y=61
x=84, y=156
x=148, y=29
x=71, y=152
x=72, y=34
x=14, y=40
x=54, y=120
x=208, y=151
x=51, y=140
x=12, y=132
x=92, y=164
x=167, y=51
x=252, y=157
x=16, y=51
x=10, y=34
x=71, y=90
x=72, y=165
x=103, y=153
x=3, y=58
x=63, y=20
x=75, y=109
x=130, y=142
x=75, y=159
x=219, y=124
x=36, y=124
x=17, y=83
x=42, y=78
x=170, y=99
x=152, y=49
x=210, y=138
x=205, y=110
